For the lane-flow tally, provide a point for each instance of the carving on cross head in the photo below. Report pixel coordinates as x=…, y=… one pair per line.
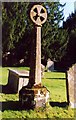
x=38, y=14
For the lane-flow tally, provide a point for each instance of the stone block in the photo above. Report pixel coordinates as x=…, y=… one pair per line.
x=50, y=65
x=34, y=97
x=72, y=86
x=17, y=79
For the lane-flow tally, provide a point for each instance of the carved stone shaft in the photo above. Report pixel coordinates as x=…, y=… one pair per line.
x=38, y=56
x=38, y=15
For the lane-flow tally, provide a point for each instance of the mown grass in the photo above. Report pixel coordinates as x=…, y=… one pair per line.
x=56, y=108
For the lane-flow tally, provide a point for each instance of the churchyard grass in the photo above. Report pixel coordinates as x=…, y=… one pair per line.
x=57, y=108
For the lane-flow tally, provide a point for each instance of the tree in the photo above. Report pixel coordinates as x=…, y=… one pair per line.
x=14, y=23
x=54, y=38
x=70, y=26
x=18, y=29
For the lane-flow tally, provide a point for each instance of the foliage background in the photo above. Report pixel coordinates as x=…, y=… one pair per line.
x=58, y=42
x=18, y=31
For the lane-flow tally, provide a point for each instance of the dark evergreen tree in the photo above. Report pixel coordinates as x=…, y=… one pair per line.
x=17, y=30
x=54, y=38
x=14, y=20
x=70, y=26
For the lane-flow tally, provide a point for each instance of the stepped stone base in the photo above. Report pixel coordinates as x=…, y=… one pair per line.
x=34, y=97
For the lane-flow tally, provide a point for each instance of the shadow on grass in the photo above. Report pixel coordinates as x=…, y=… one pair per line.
x=57, y=78
x=59, y=104
x=13, y=105
x=5, y=89
x=10, y=105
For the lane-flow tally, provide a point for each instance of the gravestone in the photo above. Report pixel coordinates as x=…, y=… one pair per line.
x=17, y=79
x=35, y=94
x=72, y=86
x=50, y=65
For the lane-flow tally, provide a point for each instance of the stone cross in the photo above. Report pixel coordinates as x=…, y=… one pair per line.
x=38, y=15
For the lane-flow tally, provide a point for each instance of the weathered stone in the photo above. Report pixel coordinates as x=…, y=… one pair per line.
x=38, y=57
x=34, y=97
x=35, y=75
x=39, y=13
x=72, y=86
x=50, y=65
x=17, y=79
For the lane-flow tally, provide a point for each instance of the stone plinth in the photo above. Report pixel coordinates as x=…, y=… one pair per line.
x=72, y=86
x=17, y=79
x=33, y=98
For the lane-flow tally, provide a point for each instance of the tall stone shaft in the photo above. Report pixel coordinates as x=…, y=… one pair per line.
x=35, y=63
x=38, y=56
x=38, y=15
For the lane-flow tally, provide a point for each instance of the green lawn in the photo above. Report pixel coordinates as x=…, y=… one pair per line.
x=57, y=108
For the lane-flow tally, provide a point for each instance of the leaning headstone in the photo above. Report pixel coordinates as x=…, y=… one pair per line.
x=72, y=86
x=50, y=65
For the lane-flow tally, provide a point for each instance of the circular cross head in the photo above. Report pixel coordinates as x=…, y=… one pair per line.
x=38, y=14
